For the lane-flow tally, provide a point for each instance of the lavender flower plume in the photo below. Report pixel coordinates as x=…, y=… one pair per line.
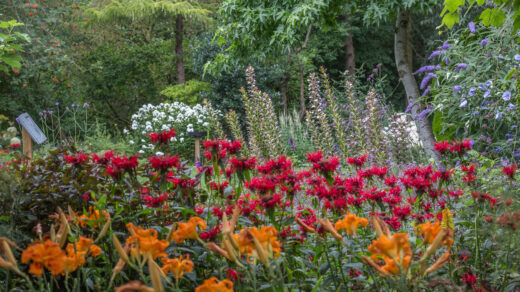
x=409, y=108
x=447, y=61
x=434, y=54
x=427, y=79
x=427, y=91
x=424, y=113
x=517, y=57
x=484, y=42
x=427, y=68
x=460, y=66
x=471, y=27
x=445, y=46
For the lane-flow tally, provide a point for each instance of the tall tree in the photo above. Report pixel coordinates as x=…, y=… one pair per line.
x=375, y=12
x=274, y=29
x=148, y=12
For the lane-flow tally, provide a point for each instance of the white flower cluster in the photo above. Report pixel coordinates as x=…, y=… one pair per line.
x=412, y=135
x=165, y=116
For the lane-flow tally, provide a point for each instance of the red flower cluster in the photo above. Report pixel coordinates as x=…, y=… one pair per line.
x=163, y=137
x=320, y=164
x=279, y=165
x=76, y=159
x=164, y=162
x=510, y=170
x=118, y=165
x=154, y=201
x=242, y=163
x=220, y=148
x=455, y=147
x=357, y=161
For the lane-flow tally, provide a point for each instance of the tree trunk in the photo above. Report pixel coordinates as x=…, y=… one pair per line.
x=283, y=92
x=349, y=51
x=403, y=61
x=302, y=90
x=179, y=32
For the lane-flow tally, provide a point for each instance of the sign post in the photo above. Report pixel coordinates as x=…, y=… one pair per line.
x=197, y=136
x=30, y=132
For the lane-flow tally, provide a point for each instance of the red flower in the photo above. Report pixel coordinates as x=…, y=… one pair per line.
x=164, y=162
x=279, y=165
x=76, y=159
x=510, y=170
x=442, y=147
x=314, y=157
x=14, y=146
x=243, y=163
x=378, y=171
x=124, y=162
x=469, y=278
x=357, y=161
x=162, y=138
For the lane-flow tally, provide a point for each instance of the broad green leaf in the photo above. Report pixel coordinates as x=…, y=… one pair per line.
x=12, y=60
x=492, y=16
x=450, y=19
x=452, y=5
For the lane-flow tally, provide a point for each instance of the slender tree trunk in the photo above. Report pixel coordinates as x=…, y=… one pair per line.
x=302, y=90
x=283, y=92
x=179, y=32
x=349, y=51
x=403, y=61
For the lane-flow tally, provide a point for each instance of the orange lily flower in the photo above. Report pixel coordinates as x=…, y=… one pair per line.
x=96, y=216
x=147, y=241
x=177, y=266
x=394, y=250
x=214, y=285
x=430, y=231
x=350, y=223
x=188, y=230
x=48, y=255
x=76, y=255
x=266, y=240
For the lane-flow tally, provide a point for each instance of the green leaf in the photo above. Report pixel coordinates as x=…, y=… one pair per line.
x=452, y=5
x=492, y=16
x=12, y=60
x=450, y=19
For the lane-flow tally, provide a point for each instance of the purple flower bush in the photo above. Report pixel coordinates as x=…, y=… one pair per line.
x=473, y=94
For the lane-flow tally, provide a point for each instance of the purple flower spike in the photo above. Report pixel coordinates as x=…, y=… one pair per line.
x=427, y=91
x=447, y=61
x=445, y=46
x=427, y=68
x=471, y=27
x=484, y=42
x=427, y=79
x=86, y=105
x=460, y=66
x=424, y=113
x=517, y=57
x=434, y=54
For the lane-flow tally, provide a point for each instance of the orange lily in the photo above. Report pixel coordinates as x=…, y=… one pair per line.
x=48, y=255
x=188, y=230
x=214, y=285
x=147, y=241
x=177, y=266
x=350, y=223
